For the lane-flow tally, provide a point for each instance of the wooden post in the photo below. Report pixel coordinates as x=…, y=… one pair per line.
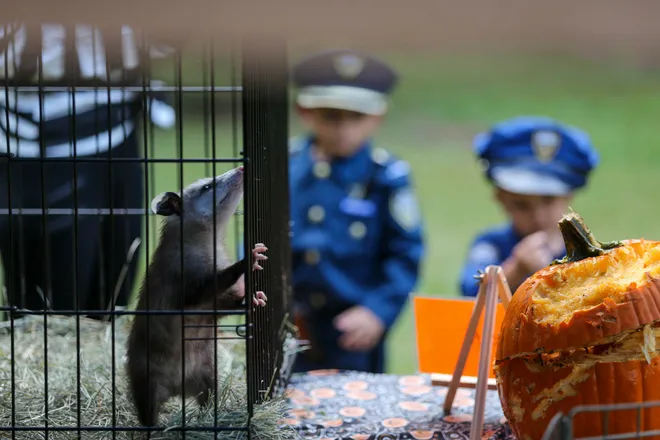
x=493, y=285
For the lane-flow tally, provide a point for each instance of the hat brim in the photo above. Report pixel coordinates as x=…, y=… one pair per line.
x=355, y=99
x=524, y=181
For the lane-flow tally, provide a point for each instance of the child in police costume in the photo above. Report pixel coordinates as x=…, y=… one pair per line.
x=357, y=241
x=535, y=165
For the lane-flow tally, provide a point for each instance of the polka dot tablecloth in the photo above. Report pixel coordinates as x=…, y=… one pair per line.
x=330, y=404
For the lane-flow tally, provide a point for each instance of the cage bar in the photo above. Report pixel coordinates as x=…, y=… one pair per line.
x=265, y=126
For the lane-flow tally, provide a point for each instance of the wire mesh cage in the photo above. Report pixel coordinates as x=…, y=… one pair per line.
x=103, y=131
x=607, y=422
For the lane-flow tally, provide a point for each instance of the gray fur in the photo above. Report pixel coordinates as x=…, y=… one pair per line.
x=196, y=287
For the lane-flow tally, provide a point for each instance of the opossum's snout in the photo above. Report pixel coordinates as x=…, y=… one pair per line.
x=228, y=193
x=233, y=179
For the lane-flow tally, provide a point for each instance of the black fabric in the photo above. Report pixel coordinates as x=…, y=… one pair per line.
x=343, y=405
x=102, y=241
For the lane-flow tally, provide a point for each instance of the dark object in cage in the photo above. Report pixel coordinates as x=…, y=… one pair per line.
x=75, y=193
x=619, y=421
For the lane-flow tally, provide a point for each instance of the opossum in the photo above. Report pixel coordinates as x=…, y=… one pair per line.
x=203, y=283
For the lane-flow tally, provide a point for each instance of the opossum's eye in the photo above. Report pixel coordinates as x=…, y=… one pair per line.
x=207, y=187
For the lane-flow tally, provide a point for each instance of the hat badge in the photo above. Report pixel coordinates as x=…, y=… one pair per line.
x=545, y=144
x=348, y=66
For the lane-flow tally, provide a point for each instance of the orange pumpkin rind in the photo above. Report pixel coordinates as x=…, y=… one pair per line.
x=583, y=331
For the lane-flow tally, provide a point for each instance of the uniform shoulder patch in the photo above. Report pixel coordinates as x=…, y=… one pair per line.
x=405, y=209
x=484, y=252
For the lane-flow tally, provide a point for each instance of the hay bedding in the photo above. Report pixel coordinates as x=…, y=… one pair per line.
x=96, y=391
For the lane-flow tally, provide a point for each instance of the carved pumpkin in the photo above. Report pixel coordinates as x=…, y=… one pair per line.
x=582, y=331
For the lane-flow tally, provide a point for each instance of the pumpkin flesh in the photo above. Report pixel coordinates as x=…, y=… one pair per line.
x=583, y=332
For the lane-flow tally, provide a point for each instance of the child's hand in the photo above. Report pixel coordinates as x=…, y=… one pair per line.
x=534, y=252
x=361, y=328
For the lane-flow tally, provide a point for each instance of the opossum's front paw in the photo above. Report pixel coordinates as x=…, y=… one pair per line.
x=259, y=299
x=257, y=255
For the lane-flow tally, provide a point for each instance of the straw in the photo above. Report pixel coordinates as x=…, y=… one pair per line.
x=96, y=385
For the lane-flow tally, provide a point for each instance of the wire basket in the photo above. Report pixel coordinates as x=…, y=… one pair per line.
x=611, y=426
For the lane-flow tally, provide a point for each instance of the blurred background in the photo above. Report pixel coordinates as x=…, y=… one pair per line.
x=594, y=67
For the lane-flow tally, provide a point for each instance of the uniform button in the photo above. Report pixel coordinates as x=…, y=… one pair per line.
x=379, y=156
x=322, y=170
x=316, y=214
x=357, y=230
x=312, y=257
x=317, y=300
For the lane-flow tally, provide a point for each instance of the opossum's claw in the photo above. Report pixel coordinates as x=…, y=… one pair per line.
x=257, y=255
x=259, y=248
x=259, y=299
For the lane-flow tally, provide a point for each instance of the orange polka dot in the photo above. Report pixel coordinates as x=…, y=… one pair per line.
x=336, y=423
x=293, y=393
x=361, y=436
x=305, y=401
x=395, y=422
x=361, y=395
x=352, y=411
x=357, y=385
x=323, y=393
x=458, y=418
x=421, y=435
x=414, y=406
x=407, y=381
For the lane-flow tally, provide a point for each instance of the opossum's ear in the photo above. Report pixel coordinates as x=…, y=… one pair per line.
x=166, y=204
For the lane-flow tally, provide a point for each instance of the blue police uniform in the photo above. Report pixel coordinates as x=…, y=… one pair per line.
x=525, y=155
x=357, y=234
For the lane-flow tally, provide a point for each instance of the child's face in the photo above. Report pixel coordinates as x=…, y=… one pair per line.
x=339, y=132
x=533, y=213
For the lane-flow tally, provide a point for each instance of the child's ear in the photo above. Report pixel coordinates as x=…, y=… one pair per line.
x=166, y=204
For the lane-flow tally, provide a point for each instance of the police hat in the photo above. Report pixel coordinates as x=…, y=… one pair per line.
x=536, y=155
x=344, y=79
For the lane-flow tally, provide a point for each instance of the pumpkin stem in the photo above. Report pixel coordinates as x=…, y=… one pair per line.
x=579, y=241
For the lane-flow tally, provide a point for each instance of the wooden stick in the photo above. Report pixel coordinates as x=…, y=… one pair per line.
x=465, y=349
x=476, y=430
x=444, y=380
x=504, y=290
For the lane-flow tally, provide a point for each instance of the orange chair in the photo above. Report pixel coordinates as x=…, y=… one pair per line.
x=441, y=325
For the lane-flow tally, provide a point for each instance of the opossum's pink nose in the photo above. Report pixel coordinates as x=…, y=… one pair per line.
x=240, y=168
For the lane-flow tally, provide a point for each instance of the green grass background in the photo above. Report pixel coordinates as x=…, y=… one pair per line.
x=443, y=100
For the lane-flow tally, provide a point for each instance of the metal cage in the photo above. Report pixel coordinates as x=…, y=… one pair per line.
x=217, y=127
x=561, y=426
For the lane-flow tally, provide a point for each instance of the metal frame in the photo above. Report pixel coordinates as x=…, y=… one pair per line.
x=561, y=426
x=264, y=102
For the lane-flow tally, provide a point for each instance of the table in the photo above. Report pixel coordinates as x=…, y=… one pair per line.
x=331, y=404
